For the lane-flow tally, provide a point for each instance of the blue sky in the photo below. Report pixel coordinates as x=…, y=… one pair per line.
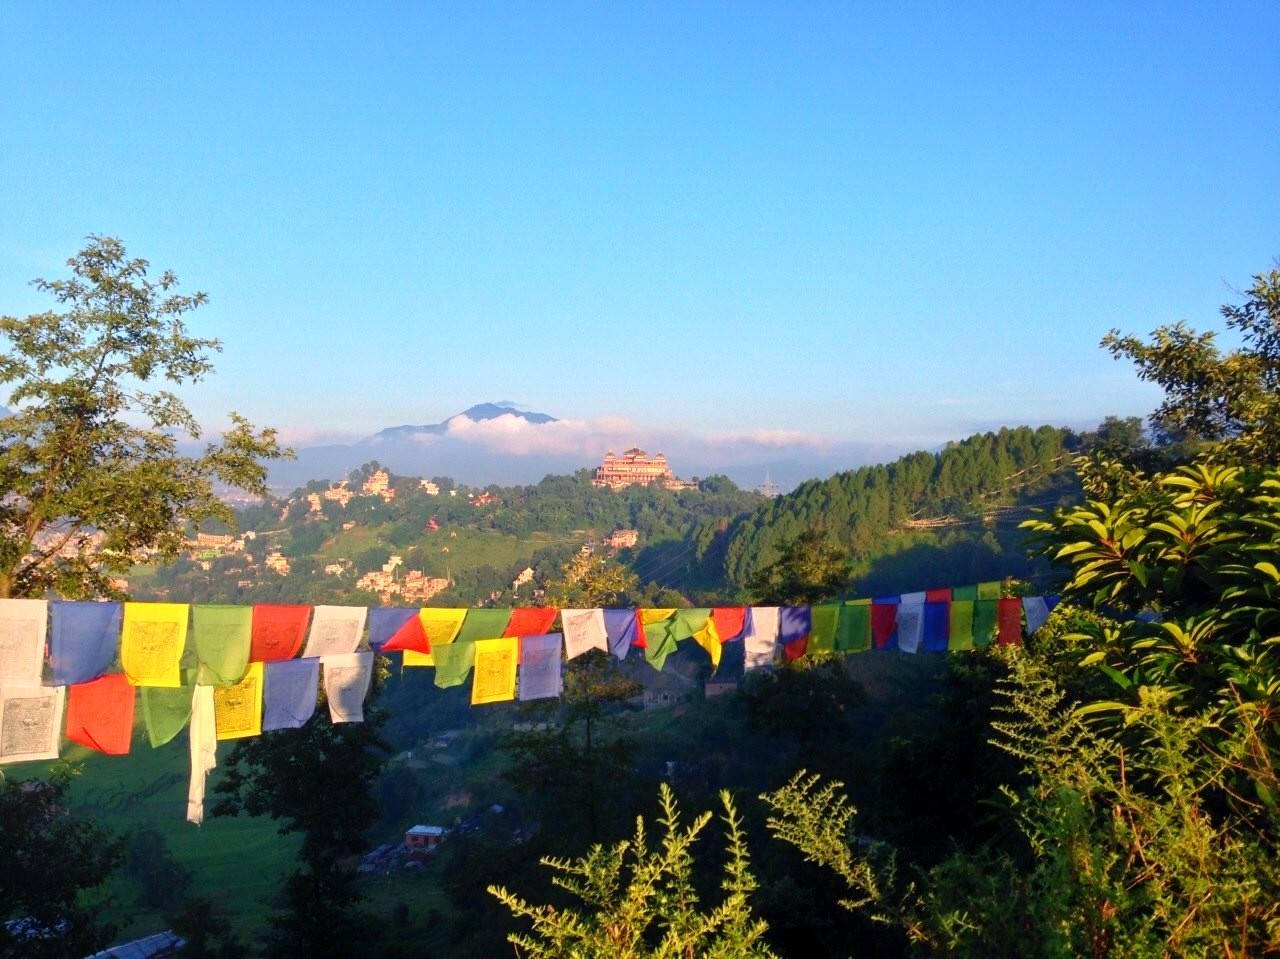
x=875, y=223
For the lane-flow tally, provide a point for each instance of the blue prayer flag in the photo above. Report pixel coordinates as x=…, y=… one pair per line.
x=84, y=640
x=289, y=693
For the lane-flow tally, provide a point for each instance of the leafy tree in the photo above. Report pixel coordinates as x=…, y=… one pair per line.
x=51, y=860
x=318, y=781
x=588, y=580
x=808, y=568
x=1230, y=400
x=88, y=453
x=642, y=901
x=1200, y=548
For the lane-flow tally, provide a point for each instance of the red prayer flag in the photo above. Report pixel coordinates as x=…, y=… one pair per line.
x=795, y=648
x=1009, y=623
x=278, y=631
x=530, y=621
x=729, y=621
x=884, y=617
x=409, y=636
x=100, y=714
x=639, y=642
x=938, y=595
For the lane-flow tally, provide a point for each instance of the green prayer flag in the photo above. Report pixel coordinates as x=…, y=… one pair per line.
x=660, y=641
x=989, y=590
x=822, y=627
x=853, y=630
x=221, y=637
x=166, y=709
x=687, y=622
x=969, y=593
x=453, y=661
x=985, y=620
x=961, y=625
x=483, y=624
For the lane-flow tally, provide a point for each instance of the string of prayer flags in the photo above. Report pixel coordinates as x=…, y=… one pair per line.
x=222, y=638
x=278, y=632
x=989, y=590
x=453, y=662
x=83, y=640
x=620, y=627
x=984, y=622
x=289, y=693
x=910, y=627
x=853, y=628
x=204, y=750
x=730, y=621
x=583, y=630
x=237, y=709
x=494, y=676
x=530, y=621
x=30, y=722
x=335, y=630
x=961, y=625
x=347, y=677
x=760, y=637
x=539, y=671
x=152, y=639
x=794, y=624
x=884, y=619
x=100, y=714
x=397, y=628
x=1009, y=622
x=824, y=618
x=165, y=711
x=442, y=627
x=659, y=636
x=937, y=627
x=22, y=634
x=484, y=624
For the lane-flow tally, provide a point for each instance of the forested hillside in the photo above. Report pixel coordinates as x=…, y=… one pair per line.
x=861, y=509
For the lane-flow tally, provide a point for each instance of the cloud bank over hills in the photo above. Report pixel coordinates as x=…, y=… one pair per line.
x=499, y=443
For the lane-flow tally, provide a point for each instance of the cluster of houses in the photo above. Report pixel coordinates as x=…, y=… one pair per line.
x=414, y=586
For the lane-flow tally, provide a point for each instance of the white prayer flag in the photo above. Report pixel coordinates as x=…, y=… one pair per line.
x=910, y=626
x=204, y=750
x=761, y=640
x=583, y=630
x=30, y=722
x=335, y=630
x=23, y=623
x=346, y=683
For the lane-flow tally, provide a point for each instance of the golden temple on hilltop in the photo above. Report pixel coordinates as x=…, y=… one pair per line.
x=635, y=467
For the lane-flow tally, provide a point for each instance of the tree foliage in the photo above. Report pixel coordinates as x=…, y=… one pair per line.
x=808, y=568
x=89, y=453
x=317, y=780
x=51, y=860
x=1227, y=403
x=641, y=901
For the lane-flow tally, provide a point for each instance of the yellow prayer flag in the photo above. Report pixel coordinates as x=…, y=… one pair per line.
x=990, y=590
x=237, y=710
x=151, y=643
x=441, y=627
x=708, y=637
x=648, y=616
x=494, y=673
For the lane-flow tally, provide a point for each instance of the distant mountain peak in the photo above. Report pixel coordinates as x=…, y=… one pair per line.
x=481, y=411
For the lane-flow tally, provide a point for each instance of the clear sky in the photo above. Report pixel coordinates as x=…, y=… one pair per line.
x=867, y=221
